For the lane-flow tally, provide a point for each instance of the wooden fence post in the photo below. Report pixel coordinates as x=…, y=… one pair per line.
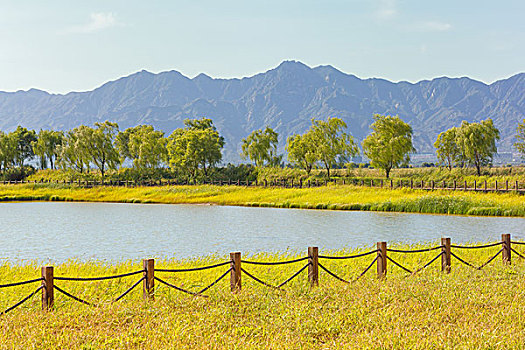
x=506, y=185
x=381, y=259
x=48, y=295
x=475, y=185
x=506, y=253
x=465, y=186
x=445, y=256
x=455, y=185
x=391, y=184
x=313, y=267
x=235, y=274
x=148, y=285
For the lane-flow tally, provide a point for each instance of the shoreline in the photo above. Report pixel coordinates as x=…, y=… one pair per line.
x=336, y=197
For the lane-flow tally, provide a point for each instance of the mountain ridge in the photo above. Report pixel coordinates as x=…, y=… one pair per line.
x=285, y=97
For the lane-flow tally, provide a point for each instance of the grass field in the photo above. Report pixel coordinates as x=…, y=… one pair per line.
x=430, y=310
x=336, y=197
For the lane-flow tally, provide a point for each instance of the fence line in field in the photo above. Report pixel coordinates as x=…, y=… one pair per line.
x=454, y=185
x=235, y=270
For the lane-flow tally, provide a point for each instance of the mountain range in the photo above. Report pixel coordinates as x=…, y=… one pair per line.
x=286, y=98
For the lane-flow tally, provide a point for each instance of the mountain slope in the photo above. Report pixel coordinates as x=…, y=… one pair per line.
x=286, y=98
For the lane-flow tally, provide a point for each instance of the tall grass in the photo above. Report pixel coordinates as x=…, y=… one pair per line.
x=429, y=310
x=335, y=197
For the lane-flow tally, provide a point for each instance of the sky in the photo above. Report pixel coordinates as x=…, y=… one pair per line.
x=63, y=46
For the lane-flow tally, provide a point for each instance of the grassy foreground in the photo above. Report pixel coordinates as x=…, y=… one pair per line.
x=429, y=310
x=336, y=197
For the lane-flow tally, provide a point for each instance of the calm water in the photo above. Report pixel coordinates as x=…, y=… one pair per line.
x=54, y=232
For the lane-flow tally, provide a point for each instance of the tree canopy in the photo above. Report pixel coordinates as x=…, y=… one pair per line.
x=197, y=146
x=144, y=145
x=477, y=142
x=447, y=149
x=390, y=143
x=261, y=147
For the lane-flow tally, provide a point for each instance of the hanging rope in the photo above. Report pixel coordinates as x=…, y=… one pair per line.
x=343, y=280
x=477, y=267
x=20, y=283
x=476, y=246
x=72, y=296
x=348, y=256
x=194, y=268
x=199, y=293
x=273, y=262
x=280, y=285
x=23, y=300
x=85, y=279
x=414, y=251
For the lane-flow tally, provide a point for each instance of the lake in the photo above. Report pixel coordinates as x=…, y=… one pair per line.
x=56, y=231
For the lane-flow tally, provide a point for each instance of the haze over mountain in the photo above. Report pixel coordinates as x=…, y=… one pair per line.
x=285, y=98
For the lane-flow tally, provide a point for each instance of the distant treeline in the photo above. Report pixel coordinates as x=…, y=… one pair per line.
x=195, y=151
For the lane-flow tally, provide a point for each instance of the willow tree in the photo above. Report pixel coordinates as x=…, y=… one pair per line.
x=390, y=143
x=332, y=144
x=302, y=151
x=447, y=149
x=144, y=145
x=46, y=147
x=261, y=147
x=477, y=142
x=197, y=146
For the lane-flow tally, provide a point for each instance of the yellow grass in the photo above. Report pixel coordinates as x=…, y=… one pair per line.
x=466, y=309
x=336, y=197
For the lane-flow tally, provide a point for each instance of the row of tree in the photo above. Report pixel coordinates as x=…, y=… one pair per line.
x=197, y=147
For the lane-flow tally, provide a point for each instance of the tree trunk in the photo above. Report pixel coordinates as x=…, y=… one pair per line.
x=387, y=171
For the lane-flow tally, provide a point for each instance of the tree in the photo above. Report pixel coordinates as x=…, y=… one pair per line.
x=145, y=146
x=302, y=151
x=197, y=146
x=46, y=145
x=73, y=152
x=24, y=149
x=390, y=143
x=261, y=146
x=477, y=142
x=99, y=145
x=447, y=149
x=331, y=143
x=520, y=138
x=8, y=145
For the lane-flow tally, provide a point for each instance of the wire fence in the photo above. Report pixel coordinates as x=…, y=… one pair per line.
x=150, y=274
x=483, y=186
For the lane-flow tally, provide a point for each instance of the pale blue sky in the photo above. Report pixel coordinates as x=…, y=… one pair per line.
x=63, y=46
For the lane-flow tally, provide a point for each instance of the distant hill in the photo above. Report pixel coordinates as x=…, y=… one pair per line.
x=286, y=98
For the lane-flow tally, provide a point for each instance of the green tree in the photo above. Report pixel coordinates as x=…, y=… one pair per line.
x=73, y=152
x=520, y=138
x=46, y=146
x=197, y=146
x=447, y=149
x=24, y=139
x=331, y=143
x=477, y=142
x=302, y=151
x=390, y=143
x=261, y=147
x=100, y=148
x=145, y=146
x=8, y=145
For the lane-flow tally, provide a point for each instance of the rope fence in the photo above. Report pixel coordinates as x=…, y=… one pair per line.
x=235, y=270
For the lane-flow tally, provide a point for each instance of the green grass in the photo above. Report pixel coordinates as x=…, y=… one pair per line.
x=430, y=310
x=334, y=197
